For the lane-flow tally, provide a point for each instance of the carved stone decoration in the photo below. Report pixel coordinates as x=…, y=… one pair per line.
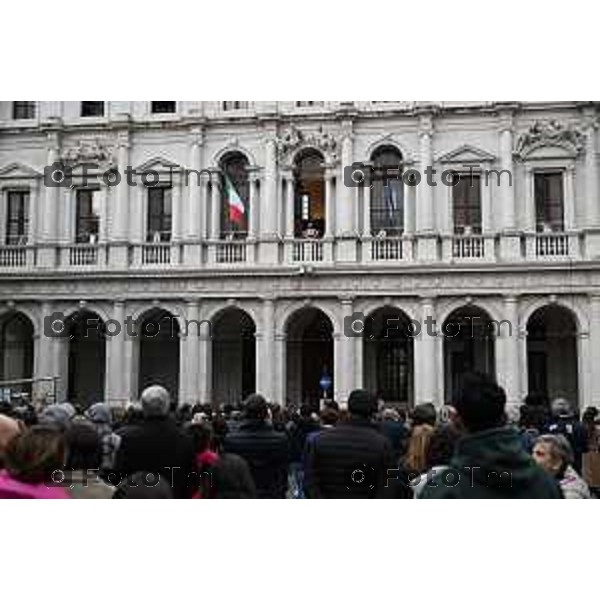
x=88, y=150
x=550, y=133
x=293, y=138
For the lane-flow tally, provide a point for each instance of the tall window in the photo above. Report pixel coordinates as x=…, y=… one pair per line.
x=549, y=201
x=162, y=107
x=305, y=103
x=235, y=104
x=387, y=193
x=23, y=110
x=92, y=109
x=466, y=196
x=160, y=214
x=309, y=195
x=87, y=217
x=17, y=217
x=235, y=196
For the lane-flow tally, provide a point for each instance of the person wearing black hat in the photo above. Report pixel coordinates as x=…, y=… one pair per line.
x=353, y=459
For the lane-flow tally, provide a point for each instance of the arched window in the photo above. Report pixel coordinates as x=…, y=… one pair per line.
x=309, y=195
x=387, y=193
x=235, y=186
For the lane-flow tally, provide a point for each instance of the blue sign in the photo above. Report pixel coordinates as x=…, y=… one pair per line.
x=325, y=382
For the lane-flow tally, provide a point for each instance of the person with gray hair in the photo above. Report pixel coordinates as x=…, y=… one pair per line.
x=564, y=422
x=554, y=454
x=158, y=445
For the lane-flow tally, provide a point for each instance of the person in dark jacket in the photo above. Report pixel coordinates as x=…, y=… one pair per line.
x=489, y=461
x=158, y=445
x=350, y=460
x=264, y=449
x=564, y=422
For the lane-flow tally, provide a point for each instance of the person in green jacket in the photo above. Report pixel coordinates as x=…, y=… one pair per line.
x=489, y=461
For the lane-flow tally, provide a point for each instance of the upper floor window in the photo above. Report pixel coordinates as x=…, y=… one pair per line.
x=162, y=107
x=549, y=201
x=309, y=195
x=92, y=109
x=87, y=216
x=23, y=110
x=17, y=217
x=160, y=215
x=466, y=202
x=235, y=104
x=387, y=193
x=235, y=198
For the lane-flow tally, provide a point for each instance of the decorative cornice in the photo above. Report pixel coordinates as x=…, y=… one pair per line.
x=293, y=138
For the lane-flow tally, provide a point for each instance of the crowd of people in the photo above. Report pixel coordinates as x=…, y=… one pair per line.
x=476, y=447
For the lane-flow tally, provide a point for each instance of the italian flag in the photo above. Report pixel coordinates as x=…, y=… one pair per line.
x=234, y=202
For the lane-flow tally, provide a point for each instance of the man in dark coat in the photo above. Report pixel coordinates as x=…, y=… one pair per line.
x=352, y=459
x=265, y=450
x=158, y=445
x=489, y=461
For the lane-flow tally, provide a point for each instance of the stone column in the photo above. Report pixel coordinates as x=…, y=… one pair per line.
x=366, y=211
x=592, y=200
x=215, y=208
x=594, y=352
x=427, y=381
x=344, y=357
x=119, y=207
x=177, y=225
x=346, y=245
x=265, y=353
x=205, y=368
x=194, y=208
x=118, y=357
x=189, y=351
x=254, y=208
x=51, y=209
x=427, y=243
x=289, y=205
x=330, y=207
x=270, y=211
x=529, y=198
x=508, y=368
x=569, y=214
x=510, y=242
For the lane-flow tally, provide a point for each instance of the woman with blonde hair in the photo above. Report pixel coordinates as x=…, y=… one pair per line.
x=415, y=460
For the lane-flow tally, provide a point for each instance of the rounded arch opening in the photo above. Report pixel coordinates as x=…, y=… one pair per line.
x=16, y=352
x=233, y=356
x=469, y=346
x=387, y=192
x=552, y=353
x=86, y=358
x=309, y=357
x=158, y=335
x=235, y=195
x=309, y=194
x=388, y=347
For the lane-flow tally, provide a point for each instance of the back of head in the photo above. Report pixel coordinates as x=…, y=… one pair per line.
x=480, y=403
x=256, y=407
x=34, y=454
x=56, y=414
x=424, y=414
x=441, y=446
x=231, y=478
x=99, y=413
x=329, y=416
x=84, y=449
x=156, y=402
x=418, y=445
x=143, y=486
x=202, y=434
x=561, y=408
x=362, y=404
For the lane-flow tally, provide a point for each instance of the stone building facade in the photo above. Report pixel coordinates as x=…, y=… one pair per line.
x=500, y=248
